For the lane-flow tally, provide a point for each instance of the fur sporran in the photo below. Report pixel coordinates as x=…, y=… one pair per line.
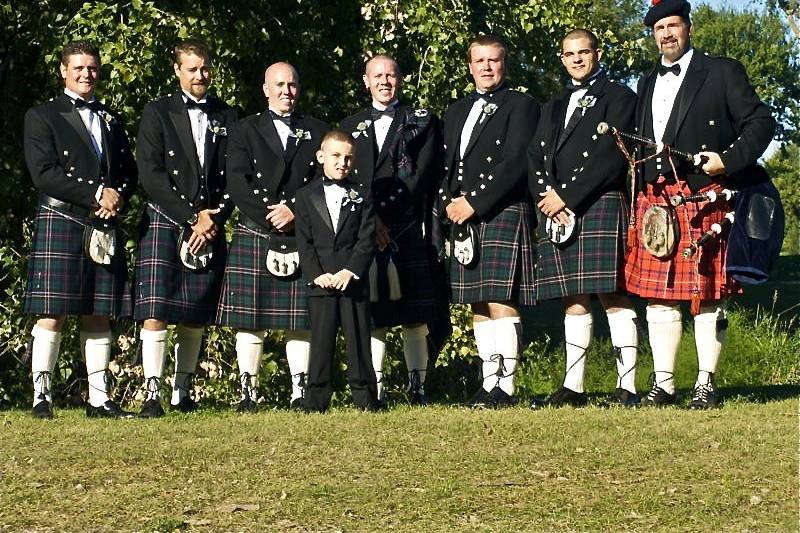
x=100, y=243
x=660, y=230
x=464, y=244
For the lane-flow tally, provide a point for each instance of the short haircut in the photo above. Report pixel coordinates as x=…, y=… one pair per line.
x=486, y=40
x=383, y=56
x=337, y=135
x=192, y=46
x=77, y=48
x=578, y=33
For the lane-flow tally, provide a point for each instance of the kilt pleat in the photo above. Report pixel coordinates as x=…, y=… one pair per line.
x=62, y=280
x=254, y=299
x=164, y=288
x=413, y=262
x=593, y=262
x=673, y=277
x=505, y=269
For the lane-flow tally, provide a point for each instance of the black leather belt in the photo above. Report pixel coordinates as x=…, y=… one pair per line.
x=65, y=207
x=249, y=223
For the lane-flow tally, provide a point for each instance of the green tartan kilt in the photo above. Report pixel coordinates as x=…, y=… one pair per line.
x=63, y=280
x=254, y=299
x=505, y=269
x=593, y=262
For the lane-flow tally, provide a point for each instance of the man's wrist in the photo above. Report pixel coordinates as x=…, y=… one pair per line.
x=192, y=220
x=98, y=195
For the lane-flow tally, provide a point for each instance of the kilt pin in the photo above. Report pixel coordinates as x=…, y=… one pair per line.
x=67, y=171
x=261, y=173
x=179, y=186
x=588, y=173
x=403, y=177
x=491, y=176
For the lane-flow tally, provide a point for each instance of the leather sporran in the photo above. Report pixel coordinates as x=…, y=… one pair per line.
x=660, y=231
x=199, y=261
x=283, y=260
x=464, y=244
x=100, y=243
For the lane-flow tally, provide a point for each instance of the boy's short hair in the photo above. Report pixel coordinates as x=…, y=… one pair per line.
x=79, y=47
x=337, y=135
x=192, y=46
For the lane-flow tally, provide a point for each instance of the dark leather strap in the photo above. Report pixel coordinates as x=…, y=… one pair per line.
x=63, y=206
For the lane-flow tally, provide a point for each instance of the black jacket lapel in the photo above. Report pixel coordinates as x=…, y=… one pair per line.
x=694, y=79
x=180, y=120
x=646, y=98
x=481, y=124
x=74, y=119
x=596, y=90
x=267, y=130
x=386, y=149
x=318, y=200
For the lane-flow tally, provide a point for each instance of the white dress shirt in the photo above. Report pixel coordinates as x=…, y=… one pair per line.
x=334, y=194
x=469, y=125
x=284, y=131
x=199, y=121
x=92, y=123
x=664, y=93
x=383, y=123
x=577, y=95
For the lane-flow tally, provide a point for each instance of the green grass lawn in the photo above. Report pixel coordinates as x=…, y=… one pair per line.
x=431, y=469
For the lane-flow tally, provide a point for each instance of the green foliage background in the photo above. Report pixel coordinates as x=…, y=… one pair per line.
x=328, y=42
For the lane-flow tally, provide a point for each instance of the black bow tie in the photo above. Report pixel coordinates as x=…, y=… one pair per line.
x=572, y=87
x=285, y=119
x=378, y=113
x=191, y=104
x=675, y=69
x=344, y=183
x=94, y=105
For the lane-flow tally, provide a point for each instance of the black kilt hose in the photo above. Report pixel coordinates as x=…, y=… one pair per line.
x=413, y=262
x=164, y=288
x=63, y=280
x=505, y=269
x=593, y=262
x=254, y=299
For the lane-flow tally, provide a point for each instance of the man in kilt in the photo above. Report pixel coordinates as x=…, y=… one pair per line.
x=270, y=155
x=485, y=136
x=397, y=155
x=181, y=155
x=574, y=172
x=700, y=104
x=80, y=162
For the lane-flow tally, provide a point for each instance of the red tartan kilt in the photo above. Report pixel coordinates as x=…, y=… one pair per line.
x=675, y=277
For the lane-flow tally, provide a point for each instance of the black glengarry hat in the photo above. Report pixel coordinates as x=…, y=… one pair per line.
x=666, y=8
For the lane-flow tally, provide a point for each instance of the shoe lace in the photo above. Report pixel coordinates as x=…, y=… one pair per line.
x=152, y=387
x=701, y=393
x=501, y=372
x=301, y=383
x=415, y=380
x=109, y=380
x=184, y=383
x=44, y=379
x=655, y=388
x=246, y=379
x=618, y=357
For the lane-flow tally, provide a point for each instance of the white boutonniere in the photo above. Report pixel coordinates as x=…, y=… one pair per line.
x=352, y=198
x=586, y=102
x=215, y=128
x=108, y=118
x=300, y=134
x=361, y=129
x=487, y=111
x=420, y=113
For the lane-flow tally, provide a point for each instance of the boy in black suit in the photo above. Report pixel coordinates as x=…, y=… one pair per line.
x=335, y=227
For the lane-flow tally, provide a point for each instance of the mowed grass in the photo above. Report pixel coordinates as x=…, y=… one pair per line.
x=410, y=469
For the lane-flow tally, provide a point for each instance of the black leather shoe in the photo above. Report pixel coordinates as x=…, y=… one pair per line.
x=151, y=409
x=417, y=398
x=564, y=396
x=42, y=410
x=502, y=399
x=622, y=398
x=538, y=404
x=108, y=410
x=704, y=397
x=297, y=405
x=247, y=406
x=658, y=397
x=186, y=405
x=482, y=400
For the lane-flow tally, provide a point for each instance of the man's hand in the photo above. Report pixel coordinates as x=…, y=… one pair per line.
x=110, y=202
x=324, y=281
x=104, y=213
x=714, y=165
x=459, y=210
x=382, y=237
x=204, y=231
x=341, y=279
x=551, y=203
x=280, y=216
x=562, y=217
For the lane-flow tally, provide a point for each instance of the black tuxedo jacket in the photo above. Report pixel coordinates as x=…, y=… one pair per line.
x=403, y=175
x=167, y=158
x=61, y=157
x=261, y=173
x=493, y=171
x=321, y=250
x=577, y=162
x=716, y=110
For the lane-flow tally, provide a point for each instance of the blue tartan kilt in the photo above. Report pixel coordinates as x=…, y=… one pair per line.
x=593, y=262
x=254, y=299
x=412, y=258
x=505, y=269
x=164, y=288
x=63, y=280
